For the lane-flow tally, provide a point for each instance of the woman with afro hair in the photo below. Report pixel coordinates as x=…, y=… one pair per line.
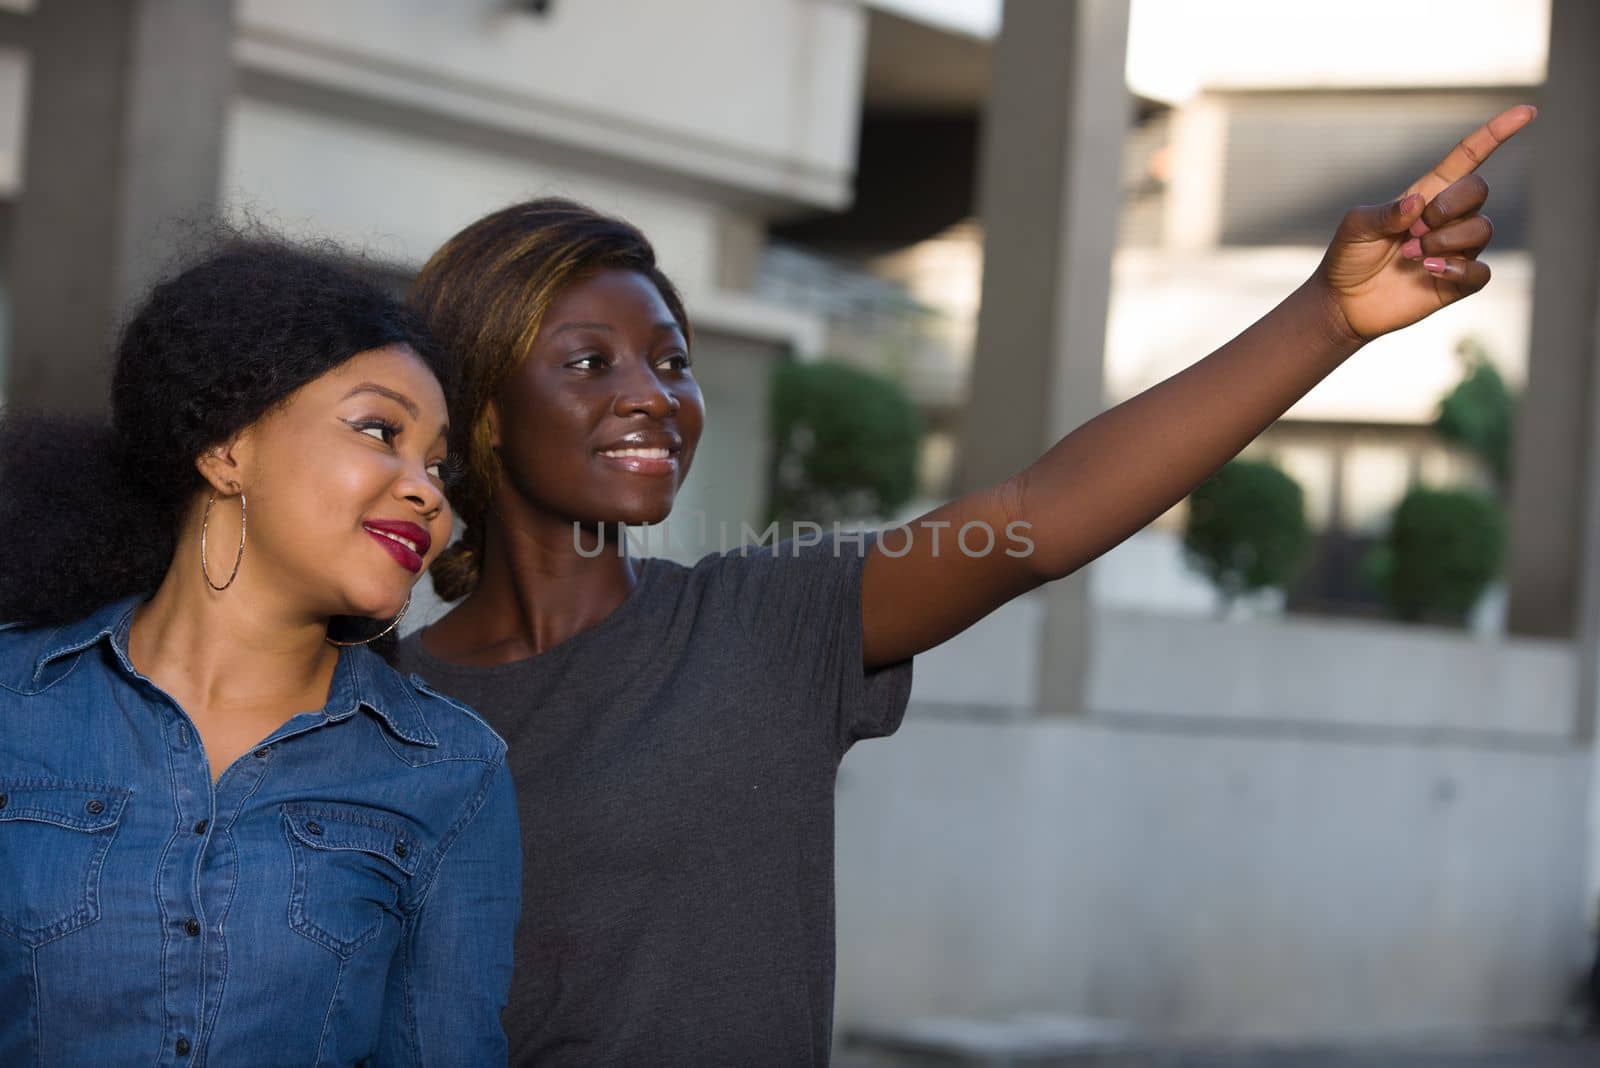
x=228, y=831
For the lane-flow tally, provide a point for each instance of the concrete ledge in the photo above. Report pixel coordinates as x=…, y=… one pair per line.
x=1317, y=673
x=1333, y=671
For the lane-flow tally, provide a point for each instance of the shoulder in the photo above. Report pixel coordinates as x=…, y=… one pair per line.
x=22, y=647
x=25, y=641
x=777, y=590
x=483, y=796
x=456, y=721
x=441, y=727
x=33, y=657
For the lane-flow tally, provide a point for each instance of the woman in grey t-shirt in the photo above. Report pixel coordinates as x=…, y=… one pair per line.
x=675, y=731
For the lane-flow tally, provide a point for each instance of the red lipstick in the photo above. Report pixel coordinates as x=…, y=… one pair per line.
x=406, y=542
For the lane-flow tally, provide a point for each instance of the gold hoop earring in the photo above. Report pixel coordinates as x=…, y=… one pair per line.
x=238, y=557
x=392, y=624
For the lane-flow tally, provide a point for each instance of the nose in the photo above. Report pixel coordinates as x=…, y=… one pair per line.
x=642, y=392
x=418, y=490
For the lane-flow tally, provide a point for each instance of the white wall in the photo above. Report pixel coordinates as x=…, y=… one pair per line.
x=1312, y=672
x=13, y=113
x=1333, y=672
x=1220, y=883
x=1290, y=829
x=402, y=194
x=1273, y=45
x=1168, y=309
x=395, y=184
x=762, y=95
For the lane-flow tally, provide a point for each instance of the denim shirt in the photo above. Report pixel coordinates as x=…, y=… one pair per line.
x=345, y=894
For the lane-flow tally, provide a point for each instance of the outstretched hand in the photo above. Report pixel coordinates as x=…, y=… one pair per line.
x=1393, y=264
x=1388, y=266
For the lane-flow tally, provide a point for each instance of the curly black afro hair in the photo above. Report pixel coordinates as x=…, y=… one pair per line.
x=91, y=508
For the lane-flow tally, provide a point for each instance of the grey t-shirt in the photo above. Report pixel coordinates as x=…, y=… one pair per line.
x=675, y=770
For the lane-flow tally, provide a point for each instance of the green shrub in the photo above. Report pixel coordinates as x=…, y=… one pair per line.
x=1247, y=528
x=1479, y=413
x=1442, y=551
x=846, y=443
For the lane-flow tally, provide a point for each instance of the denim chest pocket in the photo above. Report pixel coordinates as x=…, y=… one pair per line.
x=53, y=841
x=350, y=865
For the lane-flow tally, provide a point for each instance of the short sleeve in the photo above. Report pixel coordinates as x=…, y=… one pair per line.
x=798, y=607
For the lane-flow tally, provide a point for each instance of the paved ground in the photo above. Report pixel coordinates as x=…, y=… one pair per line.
x=1522, y=1054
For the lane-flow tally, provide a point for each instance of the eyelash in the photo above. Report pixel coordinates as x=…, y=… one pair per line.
x=449, y=467
x=450, y=471
x=682, y=356
x=390, y=431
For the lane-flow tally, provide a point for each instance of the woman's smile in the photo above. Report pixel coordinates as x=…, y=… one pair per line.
x=408, y=543
x=644, y=452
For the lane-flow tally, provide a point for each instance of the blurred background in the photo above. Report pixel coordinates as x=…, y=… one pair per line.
x=1308, y=762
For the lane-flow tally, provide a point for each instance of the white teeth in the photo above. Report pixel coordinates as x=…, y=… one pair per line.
x=645, y=454
x=395, y=537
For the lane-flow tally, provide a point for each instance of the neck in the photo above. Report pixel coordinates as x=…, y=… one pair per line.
x=238, y=646
x=539, y=584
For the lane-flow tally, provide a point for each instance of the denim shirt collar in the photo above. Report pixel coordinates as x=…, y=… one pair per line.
x=361, y=678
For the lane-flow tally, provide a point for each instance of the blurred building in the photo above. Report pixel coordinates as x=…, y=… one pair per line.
x=1105, y=802
x=390, y=124
x=1234, y=170
x=1112, y=805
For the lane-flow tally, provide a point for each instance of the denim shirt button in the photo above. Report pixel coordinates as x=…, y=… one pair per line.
x=181, y=1047
x=192, y=928
x=313, y=827
x=400, y=850
x=94, y=808
x=200, y=828
x=3, y=800
x=261, y=754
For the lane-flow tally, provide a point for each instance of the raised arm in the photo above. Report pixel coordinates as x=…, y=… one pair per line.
x=1388, y=266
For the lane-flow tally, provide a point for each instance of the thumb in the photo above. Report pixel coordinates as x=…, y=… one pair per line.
x=1374, y=221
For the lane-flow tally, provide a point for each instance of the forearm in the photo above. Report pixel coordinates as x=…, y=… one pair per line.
x=1122, y=469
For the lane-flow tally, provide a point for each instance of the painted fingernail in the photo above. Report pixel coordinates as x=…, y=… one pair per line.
x=1409, y=204
x=1434, y=265
x=1411, y=249
x=1419, y=228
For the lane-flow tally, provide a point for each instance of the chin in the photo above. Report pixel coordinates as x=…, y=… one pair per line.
x=377, y=604
x=645, y=515
x=633, y=509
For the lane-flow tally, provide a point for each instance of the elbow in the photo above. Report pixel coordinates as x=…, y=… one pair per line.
x=1022, y=539
x=1046, y=567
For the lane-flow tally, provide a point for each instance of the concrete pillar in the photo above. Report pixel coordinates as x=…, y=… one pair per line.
x=1552, y=478
x=1048, y=193
x=1192, y=216
x=126, y=105
x=1554, y=567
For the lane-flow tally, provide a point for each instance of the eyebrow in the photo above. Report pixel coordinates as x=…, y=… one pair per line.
x=384, y=391
x=664, y=326
x=399, y=398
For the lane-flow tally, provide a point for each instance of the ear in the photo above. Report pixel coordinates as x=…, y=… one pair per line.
x=225, y=466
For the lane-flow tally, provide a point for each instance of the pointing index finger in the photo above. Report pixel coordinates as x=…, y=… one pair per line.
x=1476, y=147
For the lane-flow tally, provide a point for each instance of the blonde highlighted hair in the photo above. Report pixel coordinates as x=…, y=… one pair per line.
x=483, y=296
